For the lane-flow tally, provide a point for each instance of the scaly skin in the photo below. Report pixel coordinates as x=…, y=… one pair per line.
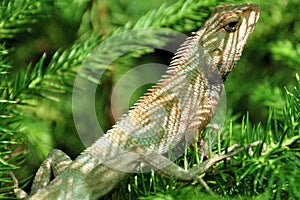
x=181, y=103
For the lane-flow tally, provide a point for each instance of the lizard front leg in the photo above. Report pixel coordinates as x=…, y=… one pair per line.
x=104, y=177
x=167, y=168
x=55, y=163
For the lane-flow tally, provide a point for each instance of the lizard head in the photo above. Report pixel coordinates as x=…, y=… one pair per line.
x=225, y=34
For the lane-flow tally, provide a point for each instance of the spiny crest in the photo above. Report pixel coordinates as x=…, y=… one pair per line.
x=184, y=53
x=195, y=51
x=181, y=57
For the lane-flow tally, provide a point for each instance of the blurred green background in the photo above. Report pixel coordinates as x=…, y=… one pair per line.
x=35, y=32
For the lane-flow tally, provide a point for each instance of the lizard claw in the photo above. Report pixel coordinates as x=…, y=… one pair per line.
x=18, y=192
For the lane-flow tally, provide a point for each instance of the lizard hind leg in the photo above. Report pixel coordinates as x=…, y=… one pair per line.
x=55, y=163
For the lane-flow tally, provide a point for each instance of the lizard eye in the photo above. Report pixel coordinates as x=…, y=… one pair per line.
x=232, y=24
x=231, y=27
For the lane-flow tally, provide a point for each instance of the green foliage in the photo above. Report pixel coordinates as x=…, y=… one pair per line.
x=17, y=16
x=269, y=171
x=43, y=43
x=269, y=62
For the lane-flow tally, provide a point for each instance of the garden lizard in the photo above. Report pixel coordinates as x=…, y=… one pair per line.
x=181, y=103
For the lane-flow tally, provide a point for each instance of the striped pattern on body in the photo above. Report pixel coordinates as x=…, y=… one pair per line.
x=183, y=101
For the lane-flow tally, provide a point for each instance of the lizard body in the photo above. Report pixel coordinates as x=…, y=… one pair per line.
x=181, y=103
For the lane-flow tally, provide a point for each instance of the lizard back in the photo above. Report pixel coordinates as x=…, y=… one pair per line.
x=186, y=97
x=181, y=103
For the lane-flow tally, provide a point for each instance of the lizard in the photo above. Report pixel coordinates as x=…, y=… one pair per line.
x=182, y=102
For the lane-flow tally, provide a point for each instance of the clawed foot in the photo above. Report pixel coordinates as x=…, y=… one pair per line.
x=18, y=192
